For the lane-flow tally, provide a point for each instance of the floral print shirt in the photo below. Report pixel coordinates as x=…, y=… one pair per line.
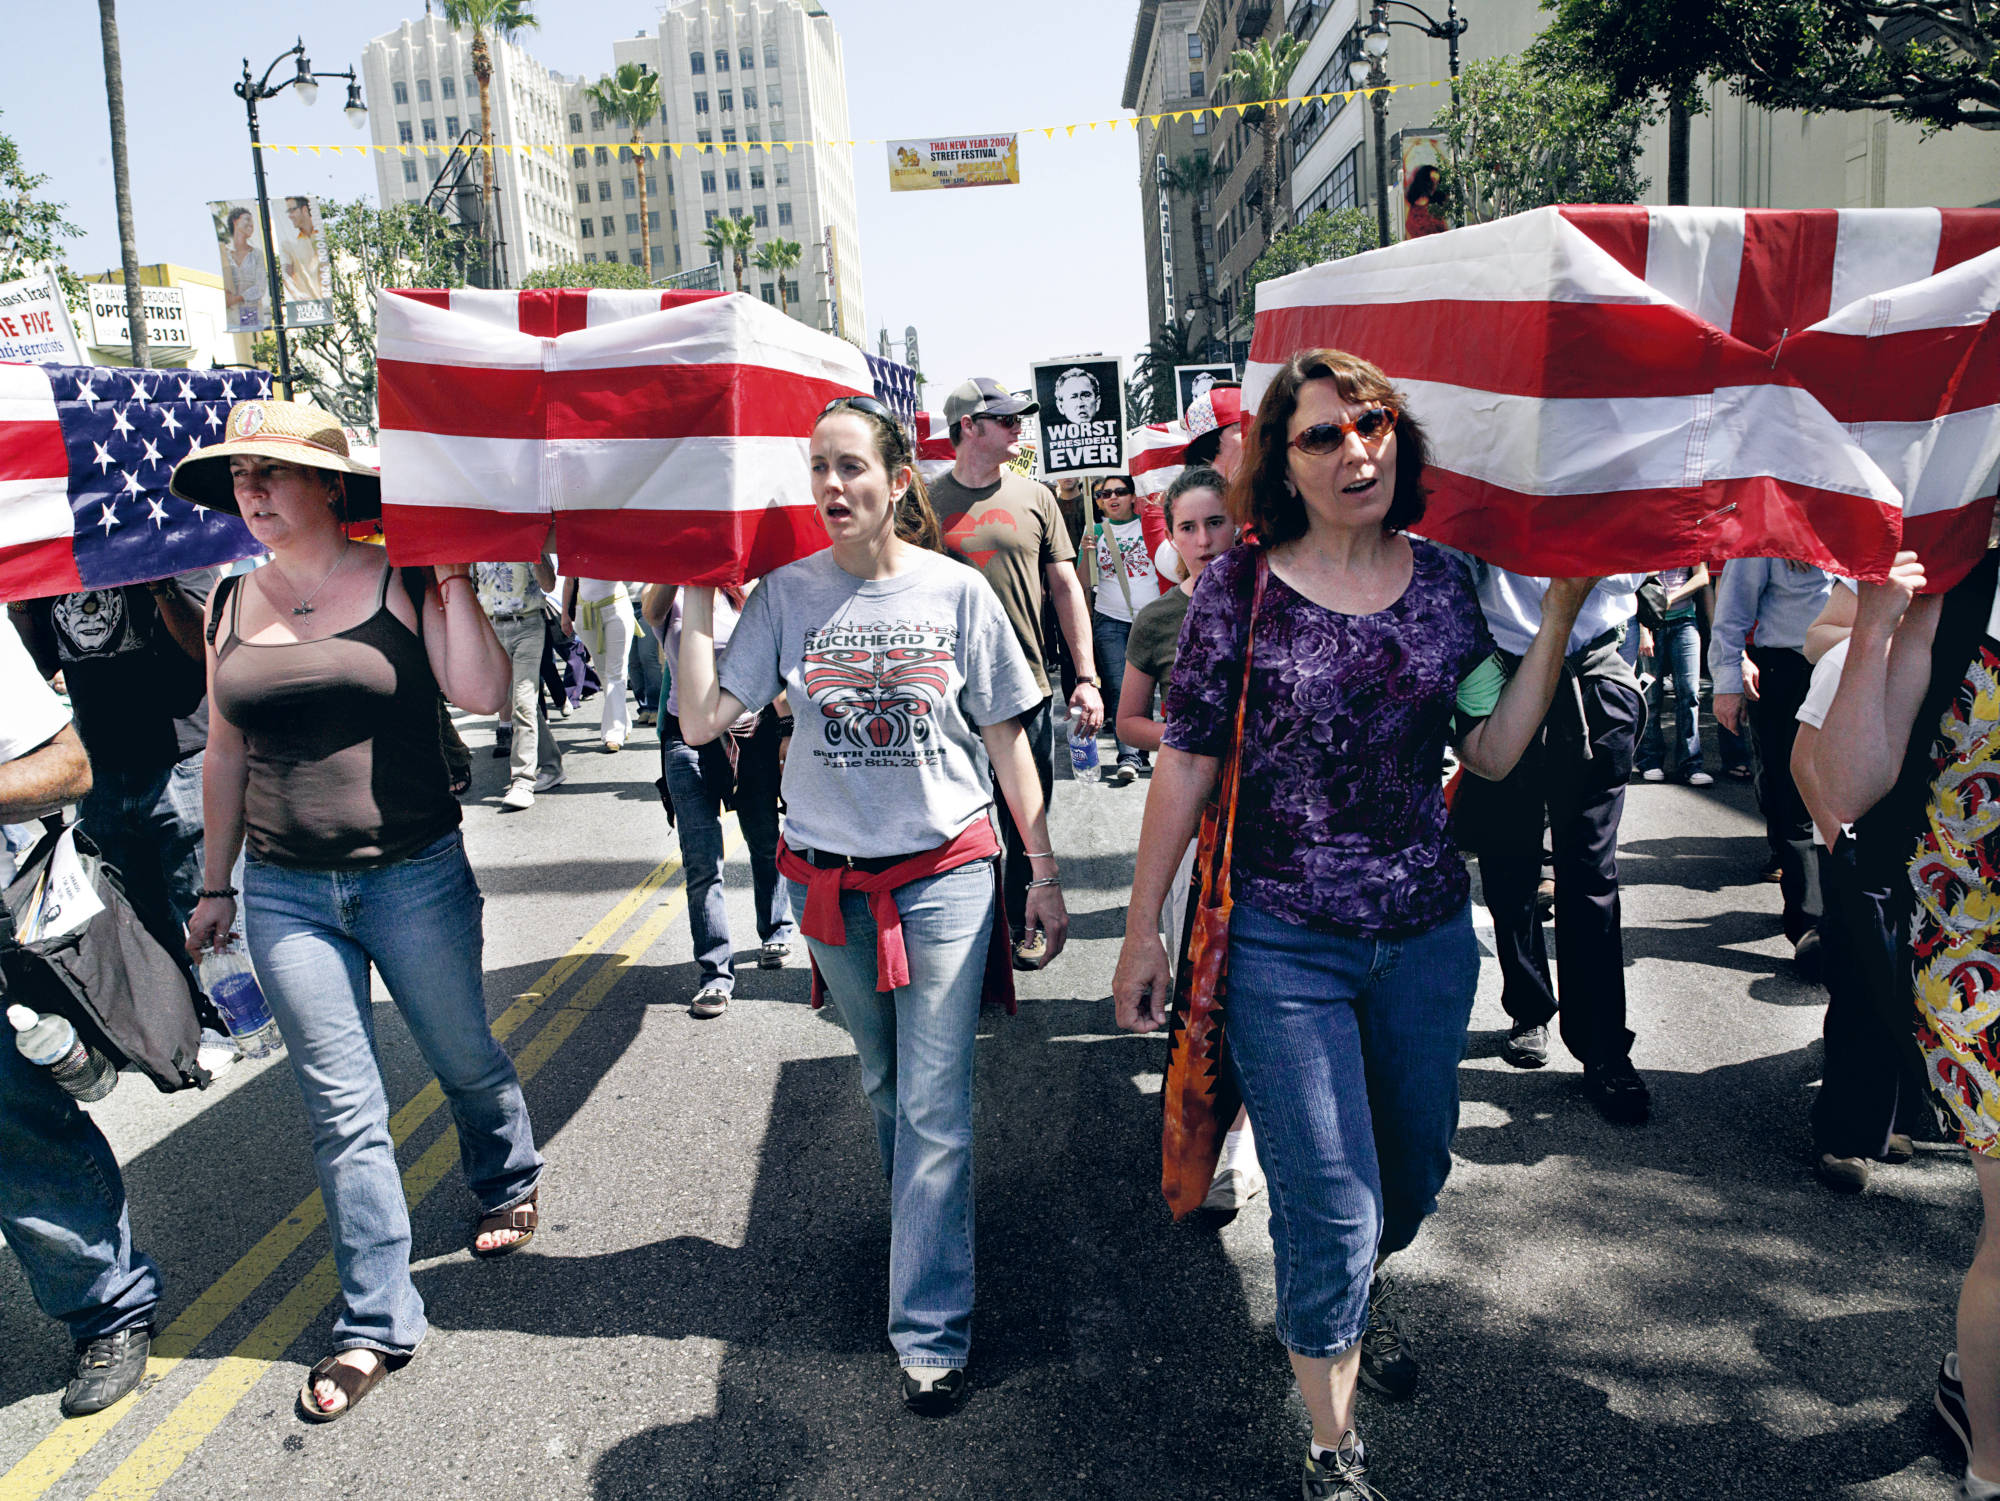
x=1340, y=823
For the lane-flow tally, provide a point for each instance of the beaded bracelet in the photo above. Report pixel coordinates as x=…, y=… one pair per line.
x=220, y=891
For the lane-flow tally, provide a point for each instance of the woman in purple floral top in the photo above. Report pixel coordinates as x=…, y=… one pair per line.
x=1352, y=964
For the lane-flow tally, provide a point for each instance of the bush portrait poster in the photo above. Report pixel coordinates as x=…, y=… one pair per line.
x=954, y=162
x=1191, y=381
x=1083, y=415
x=304, y=269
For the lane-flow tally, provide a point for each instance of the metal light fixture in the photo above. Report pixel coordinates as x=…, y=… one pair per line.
x=1376, y=38
x=304, y=83
x=1358, y=71
x=356, y=111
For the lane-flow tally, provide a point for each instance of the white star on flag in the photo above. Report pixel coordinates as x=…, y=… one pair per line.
x=118, y=420
x=152, y=454
x=139, y=392
x=132, y=484
x=187, y=391
x=228, y=388
x=213, y=421
x=156, y=513
x=103, y=460
x=87, y=394
x=107, y=520
x=170, y=422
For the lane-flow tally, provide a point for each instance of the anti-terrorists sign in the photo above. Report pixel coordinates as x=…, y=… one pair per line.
x=1082, y=416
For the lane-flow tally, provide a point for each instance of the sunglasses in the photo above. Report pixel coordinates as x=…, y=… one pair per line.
x=1112, y=493
x=1372, y=427
x=866, y=404
x=1011, y=421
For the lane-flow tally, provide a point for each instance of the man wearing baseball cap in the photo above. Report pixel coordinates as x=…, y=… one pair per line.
x=1007, y=526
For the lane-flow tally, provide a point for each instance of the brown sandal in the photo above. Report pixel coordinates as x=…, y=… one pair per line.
x=352, y=1384
x=523, y=1217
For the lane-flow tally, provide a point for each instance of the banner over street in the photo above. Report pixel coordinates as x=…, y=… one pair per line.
x=954, y=162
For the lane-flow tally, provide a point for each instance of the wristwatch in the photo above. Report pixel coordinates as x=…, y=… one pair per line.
x=1093, y=679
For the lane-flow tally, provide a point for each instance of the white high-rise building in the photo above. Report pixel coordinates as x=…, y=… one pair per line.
x=737, y=76
x=422, y=94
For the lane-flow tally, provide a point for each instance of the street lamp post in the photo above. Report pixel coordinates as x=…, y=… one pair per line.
x=1371, y=72
x=250, y=91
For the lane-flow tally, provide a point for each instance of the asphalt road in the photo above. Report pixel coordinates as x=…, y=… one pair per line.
x=1672, y=1311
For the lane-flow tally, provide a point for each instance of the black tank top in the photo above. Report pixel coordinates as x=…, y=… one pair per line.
x=340, y=738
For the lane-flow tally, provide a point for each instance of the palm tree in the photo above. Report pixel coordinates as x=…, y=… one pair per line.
x=632, y=97
x=505, y=19
x=128, y=237
x=778, y=257
x=1192, y=177
x=1154, y=395
x=1261, y=73
x=728, y=242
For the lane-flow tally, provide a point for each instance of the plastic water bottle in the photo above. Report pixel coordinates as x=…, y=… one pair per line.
x=52, y=1042
x=1083, y=755
x=231, y=983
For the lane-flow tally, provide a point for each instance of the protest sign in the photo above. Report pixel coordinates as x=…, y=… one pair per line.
x=165, y=313
x=954, y=162
x=1082, y=416
x=34, y=322
x=1191, y=381
x=305, y=272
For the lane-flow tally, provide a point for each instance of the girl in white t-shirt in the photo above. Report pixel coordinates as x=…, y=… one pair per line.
x=1127, y=581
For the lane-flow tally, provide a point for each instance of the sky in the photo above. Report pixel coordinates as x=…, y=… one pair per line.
x=993, y=278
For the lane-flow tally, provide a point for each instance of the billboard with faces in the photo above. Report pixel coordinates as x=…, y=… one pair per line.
x=1082, y=417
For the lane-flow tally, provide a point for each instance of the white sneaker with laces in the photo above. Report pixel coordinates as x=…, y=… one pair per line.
x=518, y=796
x=1653, y=774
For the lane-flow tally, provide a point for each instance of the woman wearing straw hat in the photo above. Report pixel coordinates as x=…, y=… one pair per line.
x=323, y=750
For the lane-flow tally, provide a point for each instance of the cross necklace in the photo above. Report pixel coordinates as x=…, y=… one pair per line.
x=304, y=605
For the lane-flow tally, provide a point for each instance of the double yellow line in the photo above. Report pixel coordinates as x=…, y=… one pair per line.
x=163, y=1451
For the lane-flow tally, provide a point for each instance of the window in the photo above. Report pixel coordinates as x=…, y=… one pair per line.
x=448, y=86
x=773, y=96
x=747, y=58
x=575, y=123
x=603, y=191
x=430, y=130
x=769, y=293
x=785, y=213
x=586, y=230
x=781, y=176
x=423, y=91
x=760, y=215
x=631, y=188
x=756, y=177
x=770, y=54
x=722, y=59
x=578, y=157
x=708, y=182
x=1197, y=82
x=659, y=257
x=590, y=257
x=1201, y=125
x=791, y=291
x=599, y=155
x=471, y=87
x=697, y=62
x=597, y=119
x=611, y=256
x=733, y=180
x=725, y=100
x=451, y=127
x=752, y=135
x=653, y=184
x=409, y=170
x=709, y=219
x=609, y=225
x=403, y=132
x=701, y=104
x=1309, y=121
x=1342, y=188
x=729, y=138
x=583, y=192
x=401, y=90
x=1194, y=46
x=704, y=136
x=653, y=220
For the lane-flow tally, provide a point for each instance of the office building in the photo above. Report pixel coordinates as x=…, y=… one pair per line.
x=1168, y=69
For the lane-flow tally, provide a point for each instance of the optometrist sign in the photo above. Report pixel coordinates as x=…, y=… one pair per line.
x=1082, y=417
x=165, y=312
x=954, y=162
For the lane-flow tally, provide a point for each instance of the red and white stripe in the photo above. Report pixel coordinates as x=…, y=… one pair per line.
x=36, y=553
x=935, y=451
x=1615, y=388
x=1156, y=453
x=666, y=435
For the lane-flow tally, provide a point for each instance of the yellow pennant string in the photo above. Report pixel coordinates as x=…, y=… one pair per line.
x=1048, y=132
x=1071, y=129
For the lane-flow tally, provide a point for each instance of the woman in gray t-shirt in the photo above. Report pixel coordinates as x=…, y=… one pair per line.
x=905, y=681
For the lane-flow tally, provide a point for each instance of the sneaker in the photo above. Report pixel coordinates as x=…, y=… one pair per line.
x=709, y=1002
x=106, y=1369
x=1234, y=1187
x=1031, y=950
x=932, y=1391
x=1341, y=1475
x=1950, y=1401
x=1527, y=1047
x=1700, y=779
x=1652, y=774
x=773, y=955
x=1123, y=775
x=1899, y=1150
x=518, y=796
x=1388, y=1369
x=555, y=776
x=1844, y=1175
x=1618, y=1092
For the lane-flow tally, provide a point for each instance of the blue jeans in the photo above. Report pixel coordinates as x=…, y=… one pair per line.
x=1346, y=1050
x=698, y=823
x=1110, y=637
x=1676, y=650
x=916, y=1046
x=62, y=1207
x=147, y=822
x=312, y=936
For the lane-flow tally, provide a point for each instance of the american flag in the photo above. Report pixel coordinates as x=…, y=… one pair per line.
x=1614, y=388
x=665, y=435
x=85, y=455
x=895, y=386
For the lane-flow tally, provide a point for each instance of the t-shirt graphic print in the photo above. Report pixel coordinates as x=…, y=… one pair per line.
x=878, y=690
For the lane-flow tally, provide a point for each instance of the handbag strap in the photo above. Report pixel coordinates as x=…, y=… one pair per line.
x=1217, y=875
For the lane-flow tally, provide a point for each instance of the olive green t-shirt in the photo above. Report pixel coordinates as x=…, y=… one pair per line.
x=1156, y=638
x=1010, y=531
